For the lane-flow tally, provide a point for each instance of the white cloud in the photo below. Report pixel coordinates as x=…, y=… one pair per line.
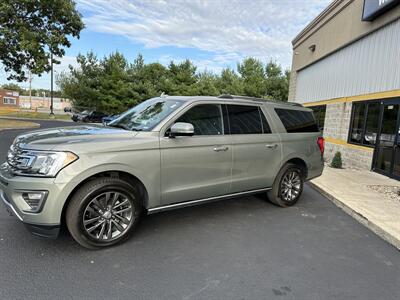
x=228, y=30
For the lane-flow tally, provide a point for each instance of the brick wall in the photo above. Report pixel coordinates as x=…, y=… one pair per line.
x=337, y=123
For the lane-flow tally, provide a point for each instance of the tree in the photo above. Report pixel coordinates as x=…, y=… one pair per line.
x=30, y=30
x=81, y=84
x=112, y=84
x=183, y=76
x=229, y=83
x=252, y=73
x=206, y=84
x=12, y=87
x=276, y=83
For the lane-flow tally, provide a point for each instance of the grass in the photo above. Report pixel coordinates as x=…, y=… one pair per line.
x=31, y=114
x=13, y=124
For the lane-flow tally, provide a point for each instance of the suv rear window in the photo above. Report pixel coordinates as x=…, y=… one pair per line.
x=245, y=119
x=297, y=120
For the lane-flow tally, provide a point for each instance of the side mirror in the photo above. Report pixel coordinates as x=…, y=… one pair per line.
x=181, y=129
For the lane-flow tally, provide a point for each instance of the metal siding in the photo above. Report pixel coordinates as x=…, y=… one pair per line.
x=369, y=65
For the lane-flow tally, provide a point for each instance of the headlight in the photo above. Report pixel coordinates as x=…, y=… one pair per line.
x=39, y=163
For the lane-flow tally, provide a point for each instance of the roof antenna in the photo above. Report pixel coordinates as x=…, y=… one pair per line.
x=163, y=95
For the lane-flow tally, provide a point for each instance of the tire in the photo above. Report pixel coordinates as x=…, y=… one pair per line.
x=89, y=216
x=280, y=194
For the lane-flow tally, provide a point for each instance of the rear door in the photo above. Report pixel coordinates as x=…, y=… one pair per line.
x=256, y=151
x=198, y=166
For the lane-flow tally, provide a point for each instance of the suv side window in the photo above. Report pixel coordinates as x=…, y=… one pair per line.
x=205, y=118
x=246, y=119
x=297, y=120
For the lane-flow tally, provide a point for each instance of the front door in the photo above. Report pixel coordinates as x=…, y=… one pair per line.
x=387, y=149
x=199, y=166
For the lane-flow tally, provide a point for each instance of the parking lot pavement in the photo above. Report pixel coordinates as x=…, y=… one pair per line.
x=242, y=248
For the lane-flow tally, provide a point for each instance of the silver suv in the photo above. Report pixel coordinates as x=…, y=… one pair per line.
x=167, y=152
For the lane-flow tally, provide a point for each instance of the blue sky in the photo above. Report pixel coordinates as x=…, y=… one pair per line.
x=214, y=34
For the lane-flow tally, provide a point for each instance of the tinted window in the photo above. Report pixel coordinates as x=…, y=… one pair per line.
x=372, y=122
x=297, y=120
x=358, y=123
x=364, y=123
x=319, y=114
x=245, y=120
x=206, y=119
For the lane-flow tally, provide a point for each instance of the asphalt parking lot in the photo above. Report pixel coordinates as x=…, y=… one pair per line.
x=242, y=248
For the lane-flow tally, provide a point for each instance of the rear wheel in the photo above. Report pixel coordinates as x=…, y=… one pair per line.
x=288, y=186
x=103, y=212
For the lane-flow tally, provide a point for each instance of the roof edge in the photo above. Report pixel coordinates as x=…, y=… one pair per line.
x=316, y=20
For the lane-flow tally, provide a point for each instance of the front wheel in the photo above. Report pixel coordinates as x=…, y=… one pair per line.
x=103, y=212
x=288, y=186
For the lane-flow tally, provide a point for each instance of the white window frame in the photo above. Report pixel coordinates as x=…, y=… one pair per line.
x=9, y=101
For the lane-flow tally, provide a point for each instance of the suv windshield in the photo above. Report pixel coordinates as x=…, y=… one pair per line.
x=146, y=115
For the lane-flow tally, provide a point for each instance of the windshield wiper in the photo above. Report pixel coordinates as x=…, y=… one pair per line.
x=118, y=126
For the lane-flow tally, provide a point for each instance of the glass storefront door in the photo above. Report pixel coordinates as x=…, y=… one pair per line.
x=387, y=149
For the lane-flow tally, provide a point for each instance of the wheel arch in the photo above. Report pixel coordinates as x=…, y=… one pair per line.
x=128, y=177
x=300, y=163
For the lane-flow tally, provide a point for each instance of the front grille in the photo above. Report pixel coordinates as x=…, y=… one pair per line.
x=17, y=159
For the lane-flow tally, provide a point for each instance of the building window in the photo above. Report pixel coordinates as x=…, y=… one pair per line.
x=319, y=114
x=364, y=123
x=10, y=101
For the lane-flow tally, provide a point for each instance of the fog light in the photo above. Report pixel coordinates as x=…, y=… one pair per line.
x=35, y=200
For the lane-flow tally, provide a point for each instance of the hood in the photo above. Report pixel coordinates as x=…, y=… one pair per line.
x=63, y=137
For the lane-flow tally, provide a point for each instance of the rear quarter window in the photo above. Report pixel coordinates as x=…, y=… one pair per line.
x=297, y=120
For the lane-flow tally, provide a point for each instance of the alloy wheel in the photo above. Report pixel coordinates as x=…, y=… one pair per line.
x=108, y=216
x=291, y=186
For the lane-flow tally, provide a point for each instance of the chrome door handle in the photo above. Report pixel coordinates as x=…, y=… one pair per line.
x=271, y=146
x=222, y=148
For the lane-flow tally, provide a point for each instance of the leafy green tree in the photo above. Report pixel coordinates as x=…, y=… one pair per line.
x=81, y=84
x=206, y=84
x=229, y=83
x=183, y=76
x=112, y=84
x=252, y=73
x=276, y=83
x=30, y=30
x=12, y=87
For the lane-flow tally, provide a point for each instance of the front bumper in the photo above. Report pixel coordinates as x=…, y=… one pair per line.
x=45, y=223
x=46, y=231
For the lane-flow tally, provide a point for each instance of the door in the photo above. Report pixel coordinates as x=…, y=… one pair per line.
x=387, y=156
x=199, y=166
x=256, y=151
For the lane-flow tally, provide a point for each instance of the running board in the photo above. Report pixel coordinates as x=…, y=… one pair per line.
x=201, y=201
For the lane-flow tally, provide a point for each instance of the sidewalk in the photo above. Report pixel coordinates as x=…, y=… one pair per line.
x=349, y=190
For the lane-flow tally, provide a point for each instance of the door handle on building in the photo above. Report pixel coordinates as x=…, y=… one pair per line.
x=222, y=148
x=271, y=146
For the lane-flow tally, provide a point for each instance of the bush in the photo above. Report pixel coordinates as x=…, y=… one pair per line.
x=337, y=161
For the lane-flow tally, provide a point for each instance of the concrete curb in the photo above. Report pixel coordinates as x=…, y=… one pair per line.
x=33, y=119
x=360, y=218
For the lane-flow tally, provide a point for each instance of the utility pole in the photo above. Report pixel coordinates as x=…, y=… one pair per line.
x=51, y=89
x=30, y=89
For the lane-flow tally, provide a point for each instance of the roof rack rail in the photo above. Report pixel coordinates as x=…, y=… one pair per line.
x=225, y=96
x=228, y=96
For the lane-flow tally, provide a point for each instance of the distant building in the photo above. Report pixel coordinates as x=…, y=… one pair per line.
x=43, y=102
x=9, y=98
x=346, y=67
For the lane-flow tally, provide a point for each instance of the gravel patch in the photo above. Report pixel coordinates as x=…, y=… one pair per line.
x=389, y=191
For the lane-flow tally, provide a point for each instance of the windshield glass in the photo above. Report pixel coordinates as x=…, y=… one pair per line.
x=146, y=115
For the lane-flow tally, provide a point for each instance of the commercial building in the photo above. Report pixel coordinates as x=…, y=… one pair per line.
x=36, y=102
x=9, y=98
x=346, y=66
